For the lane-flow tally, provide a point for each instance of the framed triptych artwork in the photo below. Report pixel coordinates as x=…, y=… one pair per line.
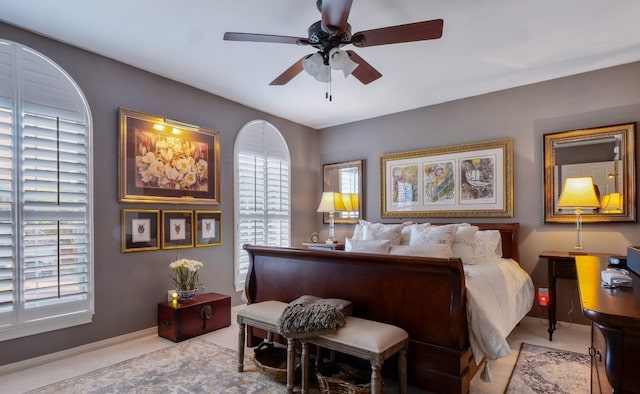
x=468, y=180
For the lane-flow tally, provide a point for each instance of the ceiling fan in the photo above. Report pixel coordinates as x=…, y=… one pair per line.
x=331, y=33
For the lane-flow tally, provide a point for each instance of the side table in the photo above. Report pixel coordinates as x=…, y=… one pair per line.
x=324, y=246
x=560, y=265
x=178, y=321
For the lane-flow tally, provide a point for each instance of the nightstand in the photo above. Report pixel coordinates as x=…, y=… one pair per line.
x=324, y=246
x=560, y=265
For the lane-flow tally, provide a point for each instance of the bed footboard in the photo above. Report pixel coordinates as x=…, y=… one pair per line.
x=424, y=296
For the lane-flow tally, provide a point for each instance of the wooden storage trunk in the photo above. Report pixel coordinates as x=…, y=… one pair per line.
x=207, y=312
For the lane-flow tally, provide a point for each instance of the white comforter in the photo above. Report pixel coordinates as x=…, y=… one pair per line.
x=499, y=294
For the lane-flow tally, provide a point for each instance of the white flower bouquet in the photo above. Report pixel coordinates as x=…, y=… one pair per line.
x=185, y=273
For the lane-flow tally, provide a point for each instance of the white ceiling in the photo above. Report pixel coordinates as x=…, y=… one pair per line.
x=487, y=45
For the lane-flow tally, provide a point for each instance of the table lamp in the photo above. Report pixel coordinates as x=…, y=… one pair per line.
x=331, y=202
x=578, y=193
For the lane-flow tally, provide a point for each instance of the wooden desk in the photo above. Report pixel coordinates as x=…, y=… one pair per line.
x=615, y=331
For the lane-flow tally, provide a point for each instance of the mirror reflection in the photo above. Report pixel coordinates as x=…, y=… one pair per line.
x=345, y=178
x=607, y=155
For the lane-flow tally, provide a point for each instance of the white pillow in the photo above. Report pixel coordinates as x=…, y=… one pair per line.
x=432, y=234
x=405, y=238
x=429, y=250
x=487, y=244
x=360, y=246
x=464, y=243
x=358, y=231
x=378, y=231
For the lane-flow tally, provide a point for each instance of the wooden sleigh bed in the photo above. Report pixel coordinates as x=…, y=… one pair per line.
x=425, y=296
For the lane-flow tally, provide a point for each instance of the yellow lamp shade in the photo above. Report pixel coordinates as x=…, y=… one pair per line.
x=578, y=192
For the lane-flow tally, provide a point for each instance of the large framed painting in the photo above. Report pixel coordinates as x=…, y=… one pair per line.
x=164, y=161
x=140, y=229
x=469, y=180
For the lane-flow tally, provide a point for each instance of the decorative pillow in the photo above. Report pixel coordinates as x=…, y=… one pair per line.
x=406, y=231
x=487, y=244
x=358, y=231
x=360, y=246
x=432, y=250
x=378, y=231
x=432, y=234
x=464, y=242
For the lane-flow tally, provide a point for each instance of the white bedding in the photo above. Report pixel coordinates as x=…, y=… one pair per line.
x=499, y=294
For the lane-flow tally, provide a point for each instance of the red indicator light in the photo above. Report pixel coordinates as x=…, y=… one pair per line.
x=543, y=300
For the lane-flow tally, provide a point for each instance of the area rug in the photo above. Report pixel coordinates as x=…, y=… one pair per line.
x=192, y=366
x=541, y=369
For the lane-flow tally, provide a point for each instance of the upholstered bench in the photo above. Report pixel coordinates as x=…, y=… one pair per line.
x=265, y=315
x=366, y=339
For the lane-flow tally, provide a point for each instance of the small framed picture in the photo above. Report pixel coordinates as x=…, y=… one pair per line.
x=208, y=228
x=140, y=230
x=177, y=229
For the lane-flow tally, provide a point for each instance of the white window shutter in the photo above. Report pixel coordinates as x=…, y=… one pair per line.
x=262, y=189
x=45, y=163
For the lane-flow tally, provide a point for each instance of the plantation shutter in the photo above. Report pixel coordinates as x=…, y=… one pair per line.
x=45, y=204
x=263, y=192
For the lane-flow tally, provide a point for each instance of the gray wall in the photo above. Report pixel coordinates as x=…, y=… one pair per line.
x=129, y=286
x=600, y=98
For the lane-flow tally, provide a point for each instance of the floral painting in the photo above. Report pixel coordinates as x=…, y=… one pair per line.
x=163, y=161
x=170, y=163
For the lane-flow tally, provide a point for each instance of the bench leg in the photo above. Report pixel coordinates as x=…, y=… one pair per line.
x=241, y=339
x=376, y=380
x=402, y=370
x=291, y=360
x=305, y=366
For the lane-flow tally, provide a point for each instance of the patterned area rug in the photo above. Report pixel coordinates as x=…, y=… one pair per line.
x=192, y=366
x=541, y=369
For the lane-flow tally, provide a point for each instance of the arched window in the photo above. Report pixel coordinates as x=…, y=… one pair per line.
x=262, y=190
x=46, y=272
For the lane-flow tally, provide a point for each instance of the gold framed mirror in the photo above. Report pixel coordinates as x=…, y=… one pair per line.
x=345, y=178
x=607, y=155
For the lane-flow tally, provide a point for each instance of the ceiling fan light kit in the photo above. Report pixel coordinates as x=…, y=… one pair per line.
x=331, y=33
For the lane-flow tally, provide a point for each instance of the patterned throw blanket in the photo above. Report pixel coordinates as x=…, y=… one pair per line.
x=309, y=316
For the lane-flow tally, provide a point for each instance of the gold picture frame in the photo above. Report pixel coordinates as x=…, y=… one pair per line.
x=165, y=161
x=140, y=229
x=208, y=228
x=177, y=229
x=469, y=180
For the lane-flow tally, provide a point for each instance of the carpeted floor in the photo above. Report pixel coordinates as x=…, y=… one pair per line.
x=540, y=369
x=192, y=366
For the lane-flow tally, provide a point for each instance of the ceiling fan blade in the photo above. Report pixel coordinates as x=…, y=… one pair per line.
x=365, y=72
x=289, y=73
x=231, y=36
x=418, y=31
x=335, y=14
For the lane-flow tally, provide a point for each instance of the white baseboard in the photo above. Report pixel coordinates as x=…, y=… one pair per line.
x=47, y=358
